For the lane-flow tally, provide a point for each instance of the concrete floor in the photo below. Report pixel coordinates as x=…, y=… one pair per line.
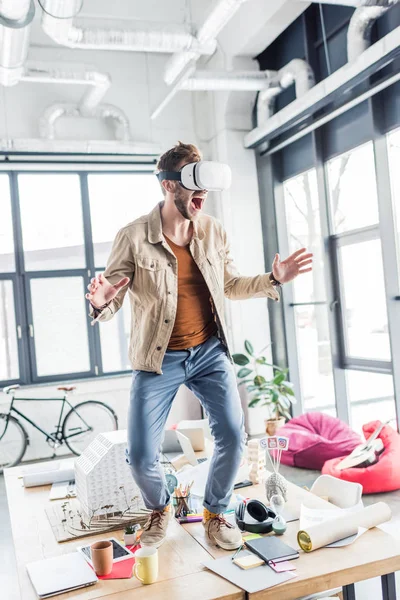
x=366, y=590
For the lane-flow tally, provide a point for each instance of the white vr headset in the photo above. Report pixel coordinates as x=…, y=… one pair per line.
x=202, y=175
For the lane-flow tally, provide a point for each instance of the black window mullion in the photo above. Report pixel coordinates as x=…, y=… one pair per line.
x=389, y=246
x=96, y=362
x=20, y=285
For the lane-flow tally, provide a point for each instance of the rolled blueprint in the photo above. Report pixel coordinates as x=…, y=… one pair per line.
x=317, y=536
x=44, y=478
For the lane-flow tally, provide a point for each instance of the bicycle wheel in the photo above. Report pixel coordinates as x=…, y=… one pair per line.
x=13, y=441
x=85, y=421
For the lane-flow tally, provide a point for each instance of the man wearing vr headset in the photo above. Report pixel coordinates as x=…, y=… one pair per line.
x=176, y=266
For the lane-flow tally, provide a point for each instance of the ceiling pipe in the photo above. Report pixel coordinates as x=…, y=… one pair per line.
x=269, y=83
x=360, y=26
x=15, y=20
x=47, y=121
x=98, y=83
x=219, y=16
x=58, y=23
x=249, y=81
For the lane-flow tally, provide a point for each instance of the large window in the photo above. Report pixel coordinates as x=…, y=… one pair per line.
x=352, y=189
x=309, y=298
x=66, y=223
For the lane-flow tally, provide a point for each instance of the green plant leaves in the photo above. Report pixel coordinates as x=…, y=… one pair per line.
x=249, y=348
x=240, y=359
x=244, y=372
x=279, y=378
x=254, y=401
x=259, y=380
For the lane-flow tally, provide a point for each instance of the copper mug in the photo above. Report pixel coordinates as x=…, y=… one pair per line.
x=102, y=557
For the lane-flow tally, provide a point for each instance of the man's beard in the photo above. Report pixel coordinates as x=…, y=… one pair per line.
x=181, y=204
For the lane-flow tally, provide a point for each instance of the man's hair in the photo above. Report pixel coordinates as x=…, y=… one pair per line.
x=170, y=160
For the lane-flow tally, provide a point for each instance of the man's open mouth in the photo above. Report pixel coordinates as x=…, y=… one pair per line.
x=197, y=202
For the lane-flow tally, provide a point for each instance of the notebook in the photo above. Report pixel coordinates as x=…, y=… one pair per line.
x=62, y=573
x=271, y=549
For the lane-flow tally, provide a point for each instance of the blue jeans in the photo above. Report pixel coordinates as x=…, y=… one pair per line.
x=207, y=371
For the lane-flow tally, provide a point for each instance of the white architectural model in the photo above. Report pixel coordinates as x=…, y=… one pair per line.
x=104, y=483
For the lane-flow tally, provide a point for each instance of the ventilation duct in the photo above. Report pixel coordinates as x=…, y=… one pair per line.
x=245, y=81
x=15, y=19
x=105, y=111
x=360, y=26
x=58, y=23
x=268, y=83
x=215, y=22
x=98, y=83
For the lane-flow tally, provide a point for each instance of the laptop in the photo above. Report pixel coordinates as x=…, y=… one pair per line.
x=170, y=443
x=52, y=576
x=187, y=449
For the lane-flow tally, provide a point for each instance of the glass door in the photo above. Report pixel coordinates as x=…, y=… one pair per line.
x=307, y=308
x=357, y=252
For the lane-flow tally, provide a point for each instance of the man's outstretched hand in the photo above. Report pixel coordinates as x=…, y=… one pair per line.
x=102, y=291
x=291, y=267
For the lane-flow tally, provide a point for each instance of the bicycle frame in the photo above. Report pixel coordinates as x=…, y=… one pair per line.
x=49, y=436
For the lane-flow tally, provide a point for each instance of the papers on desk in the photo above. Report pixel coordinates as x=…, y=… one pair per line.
x=63, y=489
x=310, y=517
x=251, y=580
x=45, y=474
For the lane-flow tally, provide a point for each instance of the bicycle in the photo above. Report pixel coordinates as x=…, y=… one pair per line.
x=74, y=430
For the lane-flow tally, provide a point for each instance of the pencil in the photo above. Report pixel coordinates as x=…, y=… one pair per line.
x=238, y=550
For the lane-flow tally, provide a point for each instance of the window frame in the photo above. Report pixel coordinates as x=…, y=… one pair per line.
x=21, y=278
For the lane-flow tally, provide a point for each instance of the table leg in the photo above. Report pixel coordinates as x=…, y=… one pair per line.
x=349, y=592
x=388, y=586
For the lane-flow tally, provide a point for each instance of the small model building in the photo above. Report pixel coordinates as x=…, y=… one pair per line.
x=104, y=483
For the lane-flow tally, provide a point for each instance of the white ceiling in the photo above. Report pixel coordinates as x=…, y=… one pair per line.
x=255, y=25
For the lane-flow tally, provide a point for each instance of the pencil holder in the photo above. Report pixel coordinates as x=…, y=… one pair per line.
x=181, y=505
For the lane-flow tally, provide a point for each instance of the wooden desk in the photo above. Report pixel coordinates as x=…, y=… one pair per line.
x=375, y=553
x=181, y=574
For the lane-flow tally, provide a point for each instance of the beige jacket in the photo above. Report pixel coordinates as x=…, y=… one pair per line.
x=141, y=253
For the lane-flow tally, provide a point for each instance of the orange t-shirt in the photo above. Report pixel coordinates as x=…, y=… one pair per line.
x=194, y=321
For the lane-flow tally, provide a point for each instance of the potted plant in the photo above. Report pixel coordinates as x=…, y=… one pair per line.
x=276, y=393
x=130, y=534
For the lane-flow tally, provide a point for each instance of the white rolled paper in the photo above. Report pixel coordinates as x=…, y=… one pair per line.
x=44, y=478
x=317, y=536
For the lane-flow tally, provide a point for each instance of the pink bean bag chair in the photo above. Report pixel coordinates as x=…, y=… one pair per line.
x=314, y=438
x=383, y=476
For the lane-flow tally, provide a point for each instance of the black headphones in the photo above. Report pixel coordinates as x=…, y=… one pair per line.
x=259, y=512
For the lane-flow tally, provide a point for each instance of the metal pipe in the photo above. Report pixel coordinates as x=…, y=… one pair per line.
x=15, y=19
x=54, y=112
x=58, y=23
x=220, y=15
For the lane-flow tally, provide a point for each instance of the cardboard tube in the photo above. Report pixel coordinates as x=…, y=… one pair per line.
x=341, y=527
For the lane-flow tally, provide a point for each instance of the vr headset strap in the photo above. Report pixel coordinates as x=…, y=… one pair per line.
x=174, y=175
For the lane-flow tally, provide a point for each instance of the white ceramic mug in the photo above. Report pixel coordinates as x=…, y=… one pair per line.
x=146, y=564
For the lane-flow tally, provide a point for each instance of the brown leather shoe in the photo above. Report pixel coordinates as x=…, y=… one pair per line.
x=223, y=534
x=155, y=529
